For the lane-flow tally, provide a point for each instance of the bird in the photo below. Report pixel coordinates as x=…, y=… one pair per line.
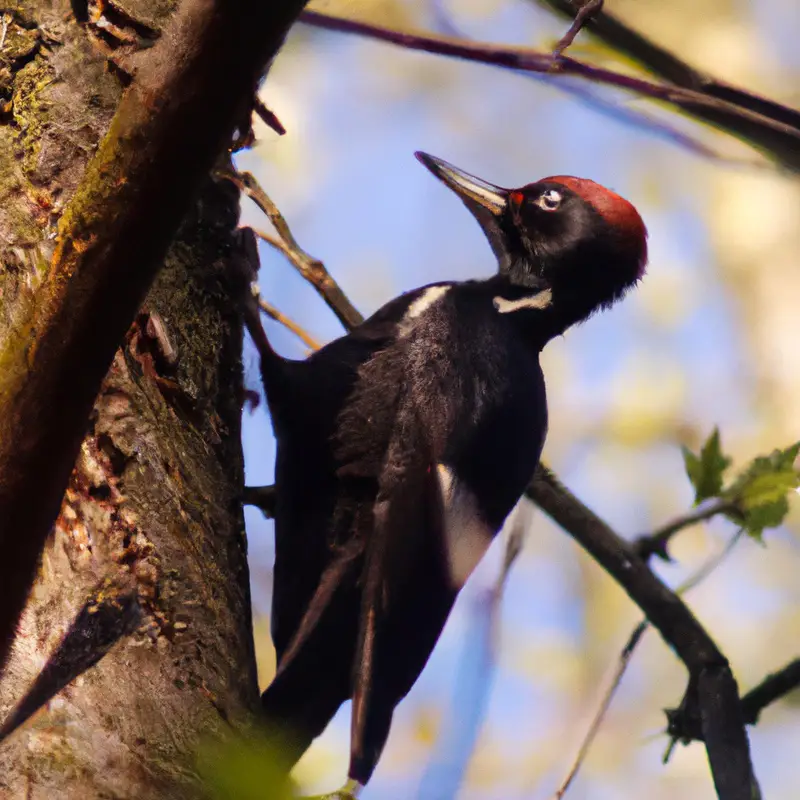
x=403, y=446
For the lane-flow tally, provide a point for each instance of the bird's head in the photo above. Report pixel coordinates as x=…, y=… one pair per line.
x=583, y=242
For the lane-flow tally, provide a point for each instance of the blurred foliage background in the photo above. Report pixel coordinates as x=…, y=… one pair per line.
x=709, y=338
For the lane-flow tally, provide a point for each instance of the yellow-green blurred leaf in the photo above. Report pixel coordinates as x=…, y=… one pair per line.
x=248, y=769
x=760, y=491
x=706, y=470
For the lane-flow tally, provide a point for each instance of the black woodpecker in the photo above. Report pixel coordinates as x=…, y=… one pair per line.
x=403, y=446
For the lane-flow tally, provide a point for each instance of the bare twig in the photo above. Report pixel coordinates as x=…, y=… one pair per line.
x=773, y=136
x=712, y=689
x=312, y=269
x=656, y=543
x=306, y=338
x=172, y=123
x=586, y=10
x=611, y=686
x=268, y=117
x=709, y=566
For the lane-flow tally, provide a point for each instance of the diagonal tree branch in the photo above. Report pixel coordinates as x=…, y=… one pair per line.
x=775, y=137
x=712, y=696
x=614, y=32
x=312, y=269
x=587, y=94
x=301, y=333
x=615, y=677
x=172, y=124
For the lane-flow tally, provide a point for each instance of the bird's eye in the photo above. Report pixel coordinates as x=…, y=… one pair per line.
x=549, y=200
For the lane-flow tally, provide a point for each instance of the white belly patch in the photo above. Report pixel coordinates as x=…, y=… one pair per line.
x=467, y=536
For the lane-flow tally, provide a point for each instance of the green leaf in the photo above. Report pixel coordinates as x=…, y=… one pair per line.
x=706, y=470
x=788, y=456
x=760, y=492
x=770, y=515
x=767, y=488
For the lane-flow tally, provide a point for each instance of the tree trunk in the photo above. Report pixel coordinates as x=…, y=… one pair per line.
x=154, y=498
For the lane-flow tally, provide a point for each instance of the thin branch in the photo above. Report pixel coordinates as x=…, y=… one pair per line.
x=586, y=11
x=712, y=689
x=773, y=687
x=268, y=117
x=172, y=124
x=625, y=656
x=773, y=136
x=709, y=566
x=589, y=96
x=656, y=543
x=273, y=313
x=312, y=269
x=685, y=728
x=612, y=684
x=621, y=37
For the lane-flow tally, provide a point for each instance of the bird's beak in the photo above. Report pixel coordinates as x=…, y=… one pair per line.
x=473, y=191
x=486, y=201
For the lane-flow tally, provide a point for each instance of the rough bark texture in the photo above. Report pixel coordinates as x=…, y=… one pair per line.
x=154, y=497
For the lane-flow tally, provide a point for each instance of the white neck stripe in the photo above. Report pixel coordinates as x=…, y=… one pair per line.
x=538, y=301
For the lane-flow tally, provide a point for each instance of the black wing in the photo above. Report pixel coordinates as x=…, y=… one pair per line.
x=316, y=516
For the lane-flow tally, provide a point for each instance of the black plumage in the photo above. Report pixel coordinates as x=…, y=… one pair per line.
x=403, y=446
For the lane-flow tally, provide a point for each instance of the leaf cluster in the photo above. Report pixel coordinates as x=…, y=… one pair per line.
x=757, y=498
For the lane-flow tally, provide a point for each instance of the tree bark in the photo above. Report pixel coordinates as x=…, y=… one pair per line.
x=154, y=500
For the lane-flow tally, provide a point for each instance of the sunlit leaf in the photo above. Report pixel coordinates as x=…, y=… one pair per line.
x=767, y=488
x=706, y=470
x=769, y=515
x=760, y=492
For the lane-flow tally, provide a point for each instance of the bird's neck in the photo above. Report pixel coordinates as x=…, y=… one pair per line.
x=536, y=311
